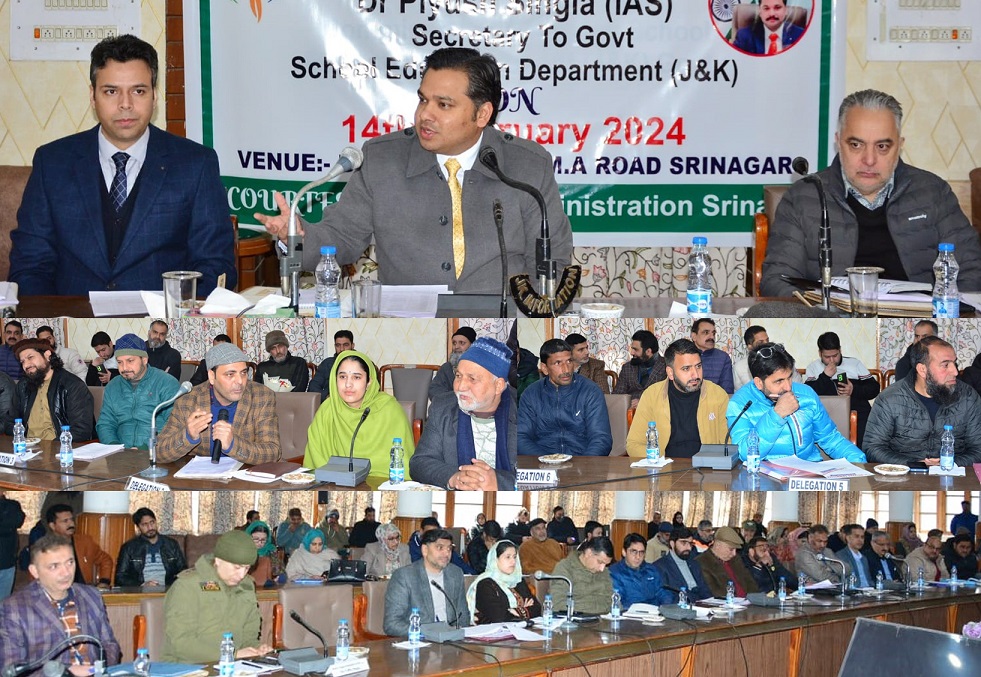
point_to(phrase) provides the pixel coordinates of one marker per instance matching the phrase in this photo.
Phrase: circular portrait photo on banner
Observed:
(761, 27)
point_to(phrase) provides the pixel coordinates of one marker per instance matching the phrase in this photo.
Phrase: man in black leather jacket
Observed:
(69, 400)
(150, 558)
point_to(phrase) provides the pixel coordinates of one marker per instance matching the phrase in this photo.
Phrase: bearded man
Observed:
(50, 397)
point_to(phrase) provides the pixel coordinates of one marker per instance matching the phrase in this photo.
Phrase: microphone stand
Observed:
(844, 577)
(824, 234)
(154, 470)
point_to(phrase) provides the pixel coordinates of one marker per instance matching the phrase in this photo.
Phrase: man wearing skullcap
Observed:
(230, 408)
(461, 341)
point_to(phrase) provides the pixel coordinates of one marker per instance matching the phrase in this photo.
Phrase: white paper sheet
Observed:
(91, 452)
(201, 468)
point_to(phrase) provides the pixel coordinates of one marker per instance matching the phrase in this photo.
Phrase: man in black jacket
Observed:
(161, 354)
(150, 559)
(766, 570)
(68, 398)
(879, 553)
(283, 372)
(363, 532)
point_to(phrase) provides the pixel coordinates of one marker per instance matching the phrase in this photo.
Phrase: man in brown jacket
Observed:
(248, 429)
(721, 564)
(89, 557)
(540, 551)
(590, 367)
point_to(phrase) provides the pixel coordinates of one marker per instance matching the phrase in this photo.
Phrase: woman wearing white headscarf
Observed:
(500, 594)
(388, 554)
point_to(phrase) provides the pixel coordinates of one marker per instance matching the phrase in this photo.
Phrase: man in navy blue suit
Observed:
(114, 207)
(771, 33)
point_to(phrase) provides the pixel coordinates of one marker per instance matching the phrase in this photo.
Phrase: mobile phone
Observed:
(841, 379)
(100, 369)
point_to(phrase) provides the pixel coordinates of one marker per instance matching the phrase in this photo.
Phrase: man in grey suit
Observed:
(427, 201)
(853, 557)
(430, 584)
(806, 560)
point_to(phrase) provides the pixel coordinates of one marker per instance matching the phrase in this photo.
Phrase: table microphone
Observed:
(153, 470)
(216, 444)
(309, 628)
(799, 165)
(499, 224)
(291, 262)
(456, 614)
(350, 459)
(725, 444)
(552, 298)
(569, 602)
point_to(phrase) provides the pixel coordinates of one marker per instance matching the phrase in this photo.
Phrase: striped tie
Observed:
(117, 191)
(456, 193)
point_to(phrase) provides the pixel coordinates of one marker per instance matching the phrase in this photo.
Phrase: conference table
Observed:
(586, 473)
(596, 473)
(799, 640)
(79, 306)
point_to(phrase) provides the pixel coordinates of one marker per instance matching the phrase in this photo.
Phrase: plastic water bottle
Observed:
(547, 613)
(946, 300)
(141, 666)
(653, 446)
(753, 452)
(919, 579)
(730, 594)
(947, 449)
(396, 468)
(683, 598)
(415, 627)
(953, 576)
(616, 605)
(852, 581)
(328, 276)
(343, 640)
(20, 442)
(699, 278)
(801, 584)
(782, 590)
(880, 582)
(226, 656)
(66, 457)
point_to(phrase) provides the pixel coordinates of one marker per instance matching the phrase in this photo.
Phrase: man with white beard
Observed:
(470, 441)
(461, 341)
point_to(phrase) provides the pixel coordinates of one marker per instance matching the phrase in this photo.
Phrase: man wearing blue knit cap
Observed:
(129, 401)
(470, 441)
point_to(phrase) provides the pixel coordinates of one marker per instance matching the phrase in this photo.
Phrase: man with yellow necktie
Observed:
(427, 201)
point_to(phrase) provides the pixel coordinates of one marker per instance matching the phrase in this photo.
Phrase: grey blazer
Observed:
(409, 587)
(400, 197)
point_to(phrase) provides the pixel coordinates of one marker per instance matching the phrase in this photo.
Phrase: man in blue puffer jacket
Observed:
(788, 417)
(563, 413)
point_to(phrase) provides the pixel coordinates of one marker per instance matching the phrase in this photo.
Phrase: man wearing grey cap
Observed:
(128, 403)
(282, 372)
(470, 441)
(229, 408)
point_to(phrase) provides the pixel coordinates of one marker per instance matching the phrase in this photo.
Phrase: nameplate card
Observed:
(8, 459)
(137, 484)
(816, 484)
(545, 477)
(348, 667)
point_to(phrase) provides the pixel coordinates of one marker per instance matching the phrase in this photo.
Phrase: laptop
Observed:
(347, 571)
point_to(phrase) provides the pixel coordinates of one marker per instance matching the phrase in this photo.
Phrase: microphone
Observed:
(889, 555)
(456, 615)
(499, 224)
(800, 166)
(569, 602)
(350, 471)
(291, 262)
(821, 557)
(153, 471)
(18, 669)
(309, 628)
(725, 444)
(552, 299)
(357, 428)
(216, 444)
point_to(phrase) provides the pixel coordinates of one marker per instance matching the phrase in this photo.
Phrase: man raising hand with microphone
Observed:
(251, 431)
(788, 417)
(426, 199)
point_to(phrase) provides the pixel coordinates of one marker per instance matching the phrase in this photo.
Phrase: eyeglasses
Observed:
(635, 551)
